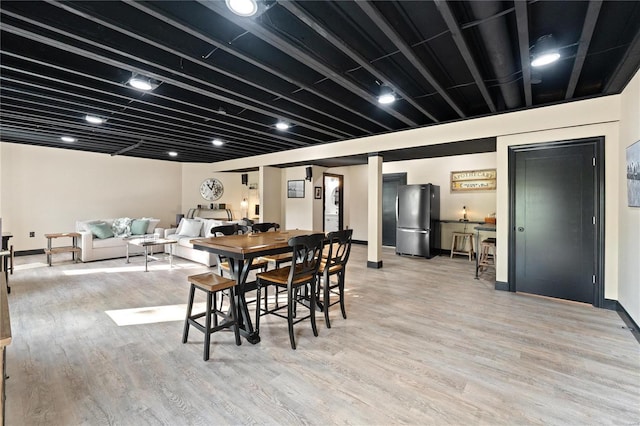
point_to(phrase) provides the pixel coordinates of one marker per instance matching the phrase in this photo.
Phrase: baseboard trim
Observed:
(626, 318)
(374, 265)
(502, 286)
(361, 242)
(610, 304)
(28, 252)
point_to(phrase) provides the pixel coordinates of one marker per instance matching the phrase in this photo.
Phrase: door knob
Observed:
(520, 229)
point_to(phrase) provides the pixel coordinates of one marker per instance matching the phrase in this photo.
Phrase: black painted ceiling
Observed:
(315, 64)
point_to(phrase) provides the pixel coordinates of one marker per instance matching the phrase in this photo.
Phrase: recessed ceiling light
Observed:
(68, 139)
(281, 125)
(140, 83)
(172, 154)
(545, 59)
(387, 98)
(386, 95)
(93, 119)
(544, 52)
(217, 142)
(243, 7)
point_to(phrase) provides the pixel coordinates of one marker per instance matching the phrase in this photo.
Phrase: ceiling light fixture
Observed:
(387, 96)
(172, 154)
(244, 8)
(281, 125)
(544, 52)
(142, 83)
(217, 142)
(68, 139)
(93, 119)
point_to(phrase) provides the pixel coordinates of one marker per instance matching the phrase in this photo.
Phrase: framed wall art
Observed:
(473, 180)
(295, 189)
(633, 175)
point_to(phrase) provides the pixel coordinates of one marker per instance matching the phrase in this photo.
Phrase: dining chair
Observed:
(211, 284)
(265, 226)
(302, 273)
(222, 261)
(334, 263)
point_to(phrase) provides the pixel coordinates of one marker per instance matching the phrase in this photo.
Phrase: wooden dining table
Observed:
(241, 250)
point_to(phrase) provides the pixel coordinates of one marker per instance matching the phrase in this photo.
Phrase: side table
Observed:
(73, 248)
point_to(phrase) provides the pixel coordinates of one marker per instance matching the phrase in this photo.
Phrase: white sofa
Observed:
(190, 229)
(93, 248)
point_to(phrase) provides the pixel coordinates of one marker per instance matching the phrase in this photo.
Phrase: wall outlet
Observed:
(32, 234)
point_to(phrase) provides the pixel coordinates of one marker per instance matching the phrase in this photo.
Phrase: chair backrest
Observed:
(307, 254)
(225, 229)
(265, 227)
(339, 243)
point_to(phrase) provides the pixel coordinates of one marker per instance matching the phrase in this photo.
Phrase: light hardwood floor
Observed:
(424, 343)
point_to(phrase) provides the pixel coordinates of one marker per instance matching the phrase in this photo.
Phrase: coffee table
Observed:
(148, 242)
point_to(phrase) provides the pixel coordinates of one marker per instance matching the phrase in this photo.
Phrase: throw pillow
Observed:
(101, 230)
(153, 223)
(190, 228)
(139, 226)
(122, 227)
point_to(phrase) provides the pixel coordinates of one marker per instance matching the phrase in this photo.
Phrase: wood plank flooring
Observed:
(424, 343)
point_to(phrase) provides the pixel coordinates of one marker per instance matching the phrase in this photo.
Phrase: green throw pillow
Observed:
(139, 226)
(101, 230)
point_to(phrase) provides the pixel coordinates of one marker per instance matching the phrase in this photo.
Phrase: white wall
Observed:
(271, 195)
(629, 217)
(193, 174)
(299, 212)
(46, 190)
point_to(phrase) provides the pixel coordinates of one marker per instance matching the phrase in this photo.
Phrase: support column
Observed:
(374, 209)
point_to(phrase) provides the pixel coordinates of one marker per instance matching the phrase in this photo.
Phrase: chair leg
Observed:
(312, 306)
(234, 314)
(185, 332)
(326, 299)
(290, 313)
(258, 291)
(11, 259)
(207, 326)
(341, 288)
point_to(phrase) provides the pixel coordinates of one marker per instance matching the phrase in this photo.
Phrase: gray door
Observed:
(390, 184)
(555, 211)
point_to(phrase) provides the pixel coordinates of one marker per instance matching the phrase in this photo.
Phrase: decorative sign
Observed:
(473, 180)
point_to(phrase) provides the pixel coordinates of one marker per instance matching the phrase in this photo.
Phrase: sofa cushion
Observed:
(84, 225)
(108, 242)
(139, 226)
(101, 230)
(181, 240)
(153, 223)
(122, 227)
(190, 228)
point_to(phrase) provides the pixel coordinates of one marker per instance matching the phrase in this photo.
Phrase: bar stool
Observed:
(459, 244)
(211, 284)
(487, 254)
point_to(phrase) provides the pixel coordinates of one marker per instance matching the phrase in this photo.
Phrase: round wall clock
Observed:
(211, 189)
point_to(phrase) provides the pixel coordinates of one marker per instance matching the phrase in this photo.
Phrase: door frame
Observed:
(599, 197)
(340, 199)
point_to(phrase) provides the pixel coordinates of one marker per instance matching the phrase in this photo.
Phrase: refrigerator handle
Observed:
(397, 211)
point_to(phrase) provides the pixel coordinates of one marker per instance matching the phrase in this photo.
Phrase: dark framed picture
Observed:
(318, 193)
(295, 189)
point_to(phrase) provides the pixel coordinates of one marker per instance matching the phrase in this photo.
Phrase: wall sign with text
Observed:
(473, 180)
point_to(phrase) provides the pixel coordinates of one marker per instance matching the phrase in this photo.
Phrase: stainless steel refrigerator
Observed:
(417, 215)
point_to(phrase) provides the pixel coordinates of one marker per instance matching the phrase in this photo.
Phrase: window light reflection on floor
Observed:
(152, 314)
(129, 268)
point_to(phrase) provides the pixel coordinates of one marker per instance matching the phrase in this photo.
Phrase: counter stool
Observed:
(487, 254)
(211, 284)
(459, 244)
